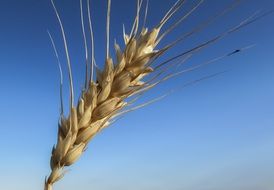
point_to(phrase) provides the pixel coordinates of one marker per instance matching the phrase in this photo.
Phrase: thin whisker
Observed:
(85, 43)
(179, 21)
(60, 71)
(107, 28)
(92, 42)
(145, 17)
(67, 55)
(177, 6)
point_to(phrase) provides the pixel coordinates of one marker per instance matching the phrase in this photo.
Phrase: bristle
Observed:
(85, 44)
(107, 28)
(173, 26)
(92, 43)
(67, 54)
(61, 74)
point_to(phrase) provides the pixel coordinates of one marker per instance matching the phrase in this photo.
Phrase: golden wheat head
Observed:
(106, 97)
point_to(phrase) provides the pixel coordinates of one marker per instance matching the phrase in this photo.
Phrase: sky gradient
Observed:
(213, 135)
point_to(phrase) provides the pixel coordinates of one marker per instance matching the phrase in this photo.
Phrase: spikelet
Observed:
(105, 108)
(86, 134)
(62, 147)
(81, 107)
(107, 79)
(84, 121)
(73, 154)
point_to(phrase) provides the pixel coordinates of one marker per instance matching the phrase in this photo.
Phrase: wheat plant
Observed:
(109, 92)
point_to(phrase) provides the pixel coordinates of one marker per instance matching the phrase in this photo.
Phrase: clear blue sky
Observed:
(217, 134)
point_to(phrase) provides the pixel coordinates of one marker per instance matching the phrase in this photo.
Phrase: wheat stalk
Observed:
(106, 97)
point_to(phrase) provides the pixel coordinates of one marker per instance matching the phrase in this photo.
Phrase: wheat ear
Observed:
(106, 97)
